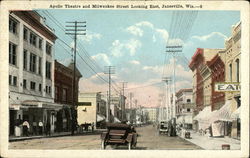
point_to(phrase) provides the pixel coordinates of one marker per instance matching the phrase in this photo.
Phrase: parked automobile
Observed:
(163, 127)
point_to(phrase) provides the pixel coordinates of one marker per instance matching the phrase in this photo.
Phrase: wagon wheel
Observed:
(103, 145)
(129, 146)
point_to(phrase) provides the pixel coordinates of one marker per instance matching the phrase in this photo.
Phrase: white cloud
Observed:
(135, 30)
(116, 48)
(145, 23)
(155, 69)
(131, 45)
(212, 34)
(101, 58)
(135, 62)
(90, 36)
(163, 33)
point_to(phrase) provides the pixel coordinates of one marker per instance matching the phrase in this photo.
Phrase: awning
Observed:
(236, 114)
(224, 113)
(100, 118)
(203, 114)
(40, 104)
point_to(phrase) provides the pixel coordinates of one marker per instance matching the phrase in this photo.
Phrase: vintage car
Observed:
(119, 134)
(163, 127)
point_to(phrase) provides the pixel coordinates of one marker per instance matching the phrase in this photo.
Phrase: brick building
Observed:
(63, 93)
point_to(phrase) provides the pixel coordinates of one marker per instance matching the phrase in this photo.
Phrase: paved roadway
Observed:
(149, 139)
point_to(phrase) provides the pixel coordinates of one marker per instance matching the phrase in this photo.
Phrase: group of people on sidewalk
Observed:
(24, 129)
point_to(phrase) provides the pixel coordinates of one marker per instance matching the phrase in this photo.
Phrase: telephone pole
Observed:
(173, 50)
(109, 70)
(75, 29)
(124, 85)
(167, 97)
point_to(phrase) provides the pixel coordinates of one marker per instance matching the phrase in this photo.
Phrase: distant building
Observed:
(63, 94)
(91, 109)
(184, 107)
(31, 66)
(152, 113)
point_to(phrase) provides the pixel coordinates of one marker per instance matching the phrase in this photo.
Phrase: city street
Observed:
(148, 139)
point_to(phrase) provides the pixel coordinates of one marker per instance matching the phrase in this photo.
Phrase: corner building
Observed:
(31, 81)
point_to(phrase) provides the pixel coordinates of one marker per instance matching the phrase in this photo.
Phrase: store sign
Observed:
(227, 87)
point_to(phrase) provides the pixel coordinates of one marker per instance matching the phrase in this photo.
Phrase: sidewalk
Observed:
(61, 134)
(213, 143)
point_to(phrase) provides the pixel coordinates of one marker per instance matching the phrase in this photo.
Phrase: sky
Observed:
(134, 42)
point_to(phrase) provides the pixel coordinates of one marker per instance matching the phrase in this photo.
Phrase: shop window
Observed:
(188, 110)
(12, 54)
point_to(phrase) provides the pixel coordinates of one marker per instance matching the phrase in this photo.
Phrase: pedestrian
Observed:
(92, 126)
(40, 125)
(26, 127)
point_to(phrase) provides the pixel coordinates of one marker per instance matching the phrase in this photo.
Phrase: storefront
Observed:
(41, 117)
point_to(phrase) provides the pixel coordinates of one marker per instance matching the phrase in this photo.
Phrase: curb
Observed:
(63, 135)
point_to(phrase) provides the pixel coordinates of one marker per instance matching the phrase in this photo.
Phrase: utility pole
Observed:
(109, 70)
(75, 30)
(167, 103)
(124, 85)
(173, 50)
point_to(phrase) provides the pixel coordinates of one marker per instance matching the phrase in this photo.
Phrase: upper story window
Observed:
(188, 100)
(32, 85)
(33, 39)
(237, 70)
(40, 66)
(188, 110)
(12, 54)
(25, 34)
(12, 80)
(12, 26)
(25, 59)
(40, 87)
(24, 83)
(230, 72)
(32, 62)
(48, 70)
(64, 94)
(48, 48)
(40, 43)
